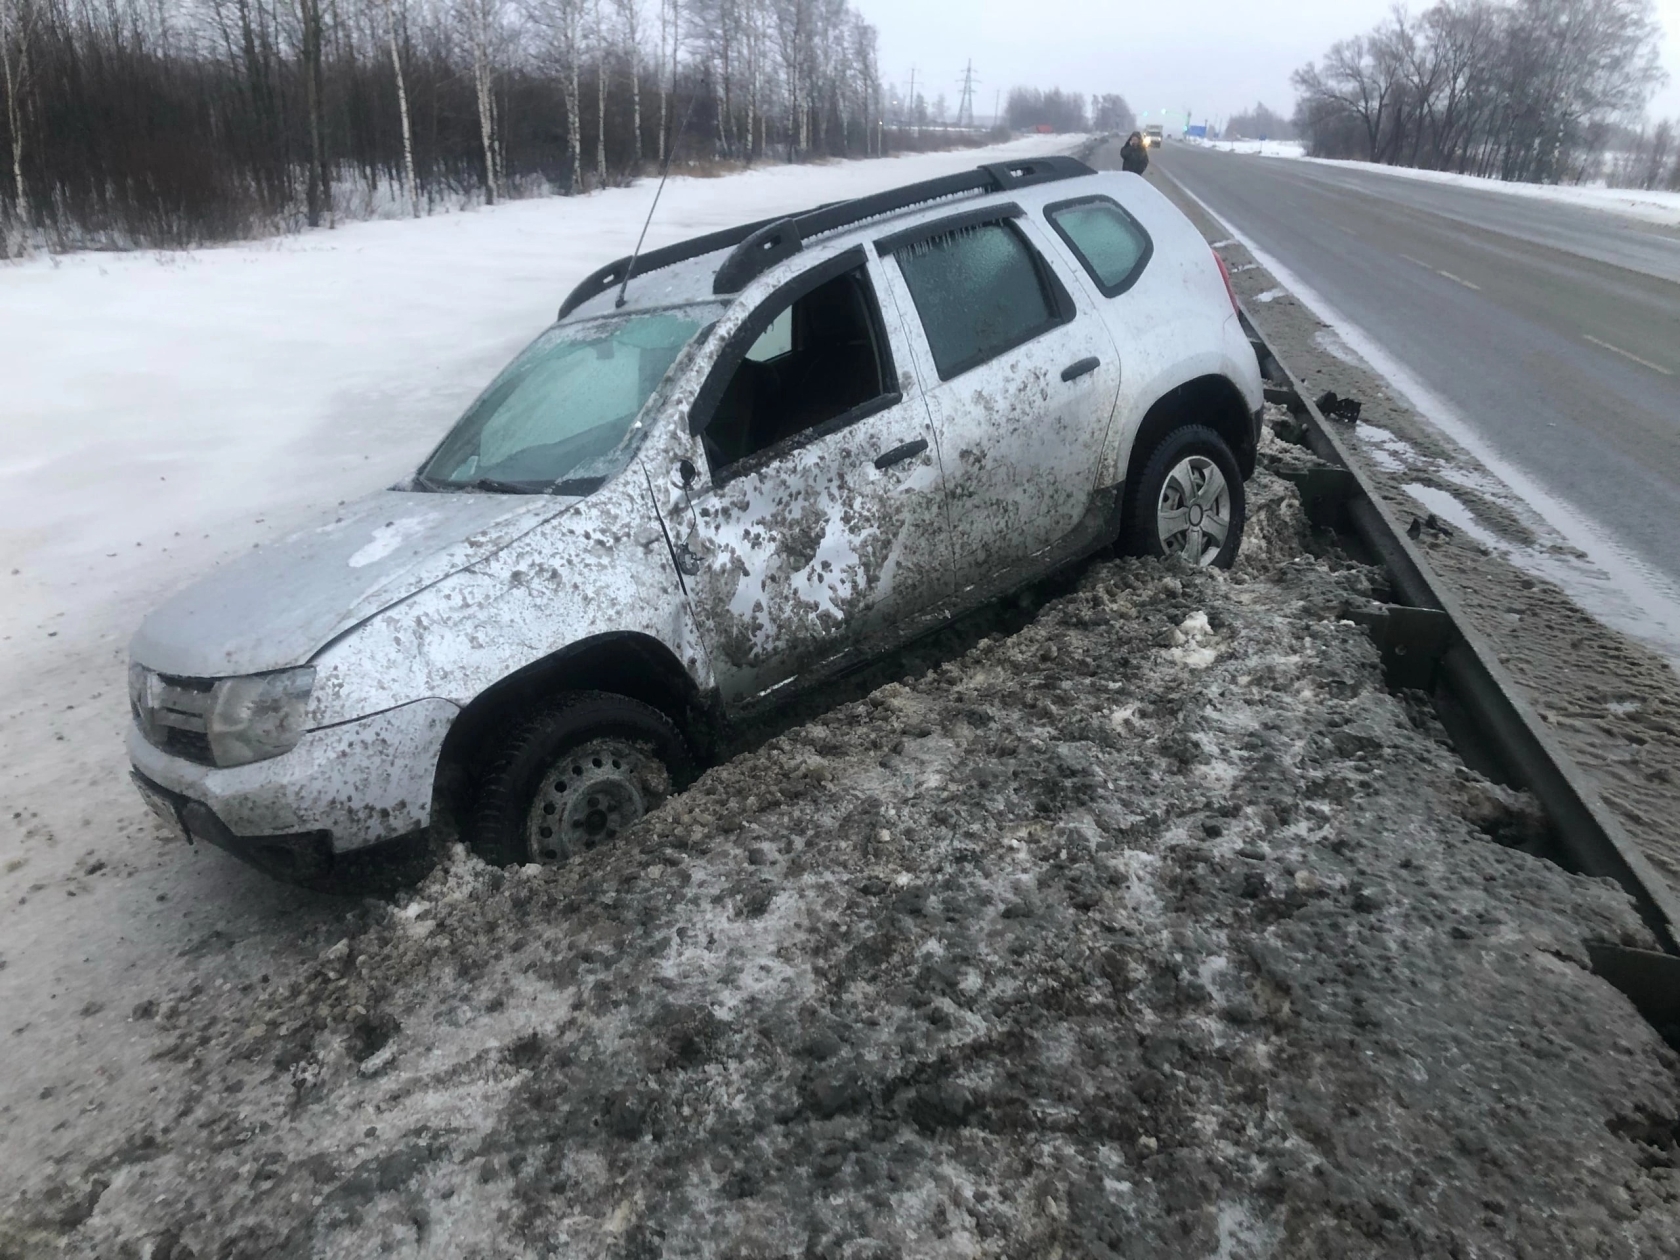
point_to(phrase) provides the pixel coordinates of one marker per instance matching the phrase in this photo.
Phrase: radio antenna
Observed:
(664, 170)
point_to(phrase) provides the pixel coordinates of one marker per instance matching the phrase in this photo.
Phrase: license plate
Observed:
(163, 807)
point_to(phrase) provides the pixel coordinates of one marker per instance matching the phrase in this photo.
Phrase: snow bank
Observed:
(1262, 148)
(1647, 205)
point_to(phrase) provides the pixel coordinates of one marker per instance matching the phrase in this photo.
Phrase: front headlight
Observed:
(252, 719)
(141, 699)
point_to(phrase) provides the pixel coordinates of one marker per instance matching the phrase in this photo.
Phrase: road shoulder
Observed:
(1613, 703)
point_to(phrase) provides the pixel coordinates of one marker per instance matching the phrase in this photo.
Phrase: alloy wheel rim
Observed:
(587, 799)
(1193, 516)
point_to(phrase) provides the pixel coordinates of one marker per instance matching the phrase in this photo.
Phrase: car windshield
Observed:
(563, 416)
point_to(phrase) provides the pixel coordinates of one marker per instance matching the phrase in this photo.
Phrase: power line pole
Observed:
(965, 108)
(997, 107)
(914, 121)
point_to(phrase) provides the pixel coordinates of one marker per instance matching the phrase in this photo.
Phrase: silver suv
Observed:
(732, 468)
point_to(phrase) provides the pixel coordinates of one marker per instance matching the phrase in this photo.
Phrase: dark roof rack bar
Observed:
(740, 267)
(599, 282)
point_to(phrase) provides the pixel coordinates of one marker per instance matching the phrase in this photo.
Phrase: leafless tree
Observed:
(16, 23)
(180, 121)
(630, 29)
(481, 19)
(311, 47)
(1520, 89)
(411, 186)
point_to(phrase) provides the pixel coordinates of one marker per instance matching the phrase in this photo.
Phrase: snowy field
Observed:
(1647, 205)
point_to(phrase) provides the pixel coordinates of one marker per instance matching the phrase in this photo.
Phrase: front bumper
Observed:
(303, 857)
(354, 784)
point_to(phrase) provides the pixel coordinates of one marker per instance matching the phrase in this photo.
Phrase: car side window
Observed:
(980, 290)
(820, 361)
(1110, 244)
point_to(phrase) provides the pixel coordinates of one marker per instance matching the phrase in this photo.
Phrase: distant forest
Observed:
(1543, 91)
(1029, 109)
(175, 122)
(1259, 123)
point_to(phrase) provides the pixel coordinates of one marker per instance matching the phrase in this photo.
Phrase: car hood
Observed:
(280, 604)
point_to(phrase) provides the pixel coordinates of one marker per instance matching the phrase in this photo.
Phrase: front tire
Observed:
(575, 777)
(1189, 501)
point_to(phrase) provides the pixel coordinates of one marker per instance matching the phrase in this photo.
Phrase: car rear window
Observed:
(979, 292)
(1111, 244)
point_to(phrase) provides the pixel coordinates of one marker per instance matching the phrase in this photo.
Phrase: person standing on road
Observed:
(1134, 154)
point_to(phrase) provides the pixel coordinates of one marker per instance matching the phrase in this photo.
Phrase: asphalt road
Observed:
(1552, 330)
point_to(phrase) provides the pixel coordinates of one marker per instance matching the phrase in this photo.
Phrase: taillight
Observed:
(1225, 275)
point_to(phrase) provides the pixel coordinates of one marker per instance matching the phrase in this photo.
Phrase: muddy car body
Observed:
(823, 435)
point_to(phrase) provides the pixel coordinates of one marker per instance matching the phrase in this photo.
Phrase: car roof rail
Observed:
(760, 245)
(612, 275)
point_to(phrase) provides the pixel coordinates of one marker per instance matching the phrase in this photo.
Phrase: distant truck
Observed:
(1153, 135)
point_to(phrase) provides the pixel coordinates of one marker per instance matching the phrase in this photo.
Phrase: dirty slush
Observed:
(1158, 928)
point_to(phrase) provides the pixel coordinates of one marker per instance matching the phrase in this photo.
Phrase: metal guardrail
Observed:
(1427, 642)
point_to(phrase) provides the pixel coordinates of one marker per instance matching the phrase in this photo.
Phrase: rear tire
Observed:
(1188, 501)
(575, 777)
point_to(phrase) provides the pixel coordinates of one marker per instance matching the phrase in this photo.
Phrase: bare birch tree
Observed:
(601, 43)
(630, 26)
(668, 28)
(482, 19)
(411, 185)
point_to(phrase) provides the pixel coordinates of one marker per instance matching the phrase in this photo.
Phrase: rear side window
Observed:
(980, 291)
(1111, 244)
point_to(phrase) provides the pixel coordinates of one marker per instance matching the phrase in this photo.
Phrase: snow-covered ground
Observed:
(1262, 148)
(1647, 205)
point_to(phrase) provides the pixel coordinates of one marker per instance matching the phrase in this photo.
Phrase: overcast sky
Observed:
(1214, 58)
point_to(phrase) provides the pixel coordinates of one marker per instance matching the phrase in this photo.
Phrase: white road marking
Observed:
(1449, 275)
(1655, 367)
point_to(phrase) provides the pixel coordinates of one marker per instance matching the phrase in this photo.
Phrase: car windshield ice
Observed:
(564, 415)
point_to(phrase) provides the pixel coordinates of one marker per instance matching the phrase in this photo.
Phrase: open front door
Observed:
(818, 528)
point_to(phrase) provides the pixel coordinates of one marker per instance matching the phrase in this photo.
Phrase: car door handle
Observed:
(899, 454)
(1073, 371)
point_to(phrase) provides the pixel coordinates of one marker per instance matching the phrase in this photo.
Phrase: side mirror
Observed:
(684, 473)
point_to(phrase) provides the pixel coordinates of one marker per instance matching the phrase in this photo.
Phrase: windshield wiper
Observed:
(494, 485)
(568, 486)
(579, 486)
